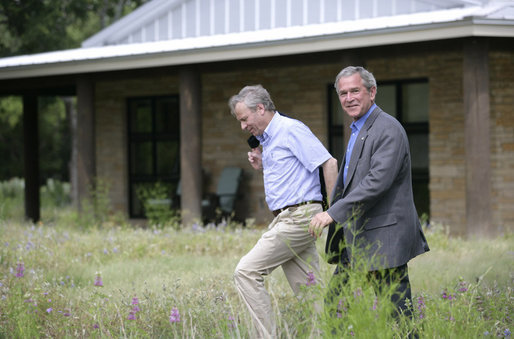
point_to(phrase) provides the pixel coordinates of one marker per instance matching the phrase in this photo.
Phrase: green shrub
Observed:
(157, 206)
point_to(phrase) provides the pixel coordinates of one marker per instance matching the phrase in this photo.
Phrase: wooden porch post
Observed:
(477, 137)
(31, 157)
(190, 146)
(84, 142)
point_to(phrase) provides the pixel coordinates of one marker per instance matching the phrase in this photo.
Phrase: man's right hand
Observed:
(255, 158)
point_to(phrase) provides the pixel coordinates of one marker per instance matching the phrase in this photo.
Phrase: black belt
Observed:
(277, 212)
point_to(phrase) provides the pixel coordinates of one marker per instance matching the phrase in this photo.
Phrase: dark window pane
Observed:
(141, 116)
(419, 150)
(337, 111)
(141, 158)
(415, 102)
(337, 150)
(154, 147)
(167, 157)
(386, 99)
(421, 195)
(135, 203)
(167, 116)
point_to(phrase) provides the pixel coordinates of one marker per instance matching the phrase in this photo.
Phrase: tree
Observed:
(36, 26)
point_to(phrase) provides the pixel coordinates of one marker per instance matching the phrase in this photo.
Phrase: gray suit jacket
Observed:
(374, 211)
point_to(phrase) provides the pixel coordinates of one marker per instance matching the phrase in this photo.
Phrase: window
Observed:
(153, 146)
(407, 100)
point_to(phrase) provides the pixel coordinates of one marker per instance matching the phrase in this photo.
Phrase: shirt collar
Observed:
(359, 123)
(271, 129)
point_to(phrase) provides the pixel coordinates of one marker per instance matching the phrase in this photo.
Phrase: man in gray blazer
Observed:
(372, 208)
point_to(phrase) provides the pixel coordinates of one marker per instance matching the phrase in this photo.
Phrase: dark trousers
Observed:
(380, 279)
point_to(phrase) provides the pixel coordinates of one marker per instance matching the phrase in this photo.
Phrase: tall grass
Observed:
(60, 279)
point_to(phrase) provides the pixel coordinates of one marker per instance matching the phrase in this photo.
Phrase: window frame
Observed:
(154, 137)
(420, 176)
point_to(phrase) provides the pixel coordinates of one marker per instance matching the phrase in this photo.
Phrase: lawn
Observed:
(75, 276)
(49, 277)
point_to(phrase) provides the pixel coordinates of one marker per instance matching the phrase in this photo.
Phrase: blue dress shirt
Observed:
(291, 156)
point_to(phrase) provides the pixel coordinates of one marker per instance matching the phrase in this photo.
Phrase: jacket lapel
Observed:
(358, 146)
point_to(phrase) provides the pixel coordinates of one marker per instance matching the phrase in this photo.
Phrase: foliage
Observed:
(54, 138)
(56, 193)
(11, 199)
(35, 26)
(59, 280)
(11, 142)
(157, 205)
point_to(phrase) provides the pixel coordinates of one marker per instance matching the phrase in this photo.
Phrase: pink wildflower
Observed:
(311, 279)
(98, 280)
(20, 270)
(174, 315)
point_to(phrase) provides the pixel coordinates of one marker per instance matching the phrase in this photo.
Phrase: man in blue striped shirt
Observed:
(290, 159)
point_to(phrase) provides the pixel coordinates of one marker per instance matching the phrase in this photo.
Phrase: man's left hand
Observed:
(318, 223)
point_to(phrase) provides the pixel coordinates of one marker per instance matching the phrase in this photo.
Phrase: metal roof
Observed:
(485, 19)
(179, 19)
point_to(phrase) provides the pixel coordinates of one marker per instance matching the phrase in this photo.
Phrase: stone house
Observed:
(152, 92)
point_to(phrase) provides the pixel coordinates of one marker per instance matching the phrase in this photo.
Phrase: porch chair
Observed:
(225, 196)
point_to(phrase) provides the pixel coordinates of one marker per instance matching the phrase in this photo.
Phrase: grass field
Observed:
(168, 283)
(93, 275)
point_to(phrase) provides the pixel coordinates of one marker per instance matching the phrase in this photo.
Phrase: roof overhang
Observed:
(243, 46)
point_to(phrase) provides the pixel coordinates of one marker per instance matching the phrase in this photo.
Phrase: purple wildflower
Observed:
(48, 310)
(96, 325)
(136, 308)
(463, 287)
(132, 315)
(311, 279)
(231, 322)
(174, 315)
(507, 333)
(98, 280)
(20, 270)
(421, 306)
(350, 327)
(446, 295)
(67, 313)
(135, 301)
(340, 308)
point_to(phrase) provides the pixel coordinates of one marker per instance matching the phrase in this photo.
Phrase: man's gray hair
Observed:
(251, 96)
(368, 80)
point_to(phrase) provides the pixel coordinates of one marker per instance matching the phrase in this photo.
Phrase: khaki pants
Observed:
(287, 243)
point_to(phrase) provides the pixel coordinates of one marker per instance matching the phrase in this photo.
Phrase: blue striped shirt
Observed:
(291, 156)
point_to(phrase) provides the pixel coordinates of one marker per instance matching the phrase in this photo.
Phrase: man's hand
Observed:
(318, 223)
(255, 158)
